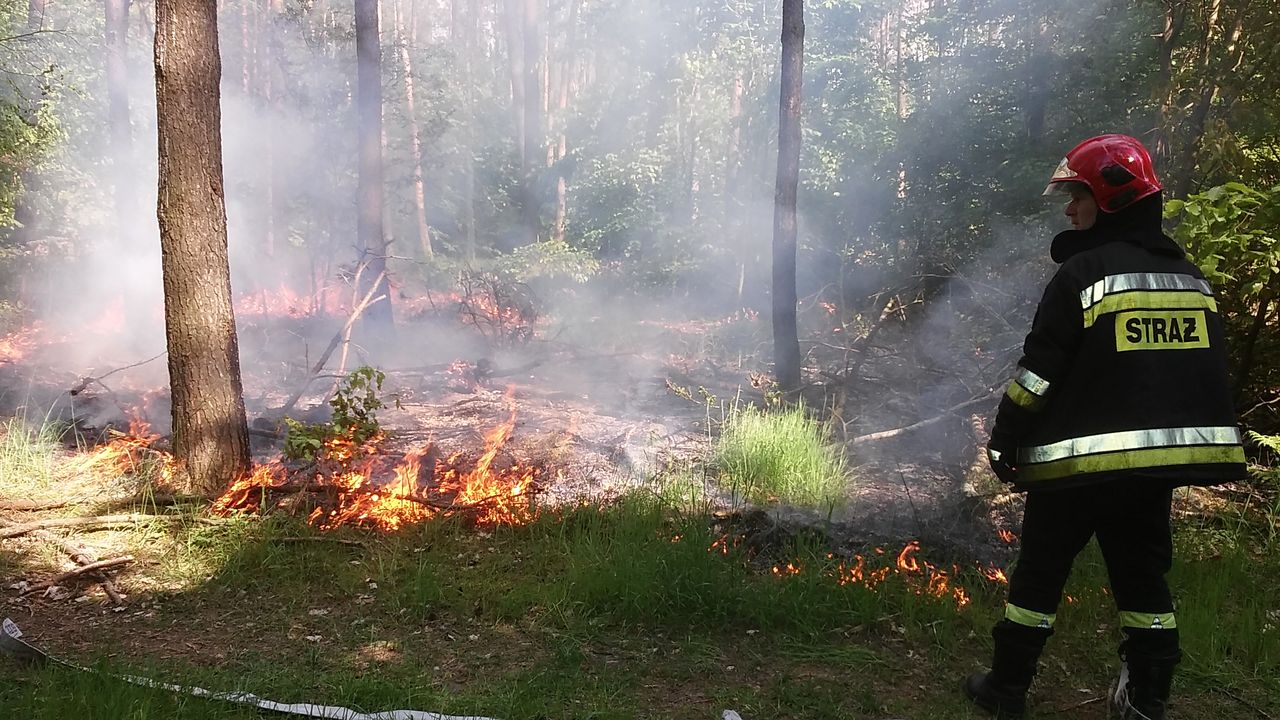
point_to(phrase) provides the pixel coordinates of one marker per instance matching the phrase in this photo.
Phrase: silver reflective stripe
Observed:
(1131, 440)
(1125, 282)
(1032, 382)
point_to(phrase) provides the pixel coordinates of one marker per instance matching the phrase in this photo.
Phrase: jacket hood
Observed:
(1138, 224)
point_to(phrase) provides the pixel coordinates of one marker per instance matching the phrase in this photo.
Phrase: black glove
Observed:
(1001, 456)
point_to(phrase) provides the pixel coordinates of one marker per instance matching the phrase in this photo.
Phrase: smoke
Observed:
(669, 177)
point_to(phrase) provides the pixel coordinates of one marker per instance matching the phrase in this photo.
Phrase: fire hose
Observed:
(12, 645)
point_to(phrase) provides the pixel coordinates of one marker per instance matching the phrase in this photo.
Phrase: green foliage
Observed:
(355, 405)
(547, 261)
(1233, 232)
(780, 456)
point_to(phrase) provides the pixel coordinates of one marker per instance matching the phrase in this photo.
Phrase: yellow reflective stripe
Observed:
(1030, 618)
(1148, 621)
(1151, 300)
(1019, 395)
(1131, 440)
(1126, 282)
(1131, 459)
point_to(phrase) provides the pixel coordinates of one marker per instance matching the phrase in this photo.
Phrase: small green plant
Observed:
(780, 456)
(355, 421)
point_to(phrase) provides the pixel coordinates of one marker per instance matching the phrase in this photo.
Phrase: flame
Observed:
(488, 495)
(1008, 537)
(502, 497)
(389, 507)
(284, 301)
(994, 574)
(15, 346)
(122, 455)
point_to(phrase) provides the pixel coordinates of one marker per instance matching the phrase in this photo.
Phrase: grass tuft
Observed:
(27, 457)
(780, 456)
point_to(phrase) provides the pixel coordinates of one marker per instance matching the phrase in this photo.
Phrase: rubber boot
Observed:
(1148, 659)
(1003, 691)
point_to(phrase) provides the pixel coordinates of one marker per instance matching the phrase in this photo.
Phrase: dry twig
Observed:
(76, 554)
(96, 521)
(886, 434)
(94, 567)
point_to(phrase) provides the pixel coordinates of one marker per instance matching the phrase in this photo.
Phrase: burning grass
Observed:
(357, 484)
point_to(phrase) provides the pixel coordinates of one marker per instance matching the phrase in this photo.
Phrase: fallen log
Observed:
(94, 567)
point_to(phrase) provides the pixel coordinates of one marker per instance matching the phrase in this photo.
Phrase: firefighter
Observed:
(1121, 395)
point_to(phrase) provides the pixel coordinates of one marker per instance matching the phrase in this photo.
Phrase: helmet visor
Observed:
(1061, 180)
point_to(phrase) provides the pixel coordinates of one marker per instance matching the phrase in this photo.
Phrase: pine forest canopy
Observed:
(632, 138)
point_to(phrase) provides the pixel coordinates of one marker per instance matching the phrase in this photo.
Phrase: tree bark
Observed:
(786, 343)
(120, 132)
(415, 139)
(210, 434)
(369, 191)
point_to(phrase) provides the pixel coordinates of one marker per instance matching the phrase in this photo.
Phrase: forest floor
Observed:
(621, 598)
(626, 609)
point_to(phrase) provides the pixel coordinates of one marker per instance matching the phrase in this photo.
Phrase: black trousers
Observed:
(1130, 518)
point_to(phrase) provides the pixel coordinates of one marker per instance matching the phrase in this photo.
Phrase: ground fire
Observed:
(364, 487)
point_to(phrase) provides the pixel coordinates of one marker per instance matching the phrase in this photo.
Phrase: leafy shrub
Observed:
(355, 420)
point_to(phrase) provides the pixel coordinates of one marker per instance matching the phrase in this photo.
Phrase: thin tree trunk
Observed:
(534, 102)
(470, 44)
(369, 231)
(275, 10)
(786, 344)
(210, 434)
(562, 140)
(415, 141)
(120, 132)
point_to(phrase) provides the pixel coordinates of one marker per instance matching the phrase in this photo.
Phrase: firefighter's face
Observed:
(1083, 209)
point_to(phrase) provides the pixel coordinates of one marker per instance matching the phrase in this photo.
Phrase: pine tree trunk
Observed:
(786, 344)
(369, 231)
(210, 435)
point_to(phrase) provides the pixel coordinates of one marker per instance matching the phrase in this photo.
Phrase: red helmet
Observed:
(1116, 168)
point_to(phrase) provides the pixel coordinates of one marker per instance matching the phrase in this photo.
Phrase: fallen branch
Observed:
(368, 300)
(101, 565)
(76, 554)
(84, 382)
(321, 538)
(97, 521)
(886, 434)
(35, 505)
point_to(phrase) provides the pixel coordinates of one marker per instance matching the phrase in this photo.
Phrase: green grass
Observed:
(26, 455)
(621, 611)
(780, 456)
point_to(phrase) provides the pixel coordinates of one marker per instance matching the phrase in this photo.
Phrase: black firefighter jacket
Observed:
(1124, 372)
